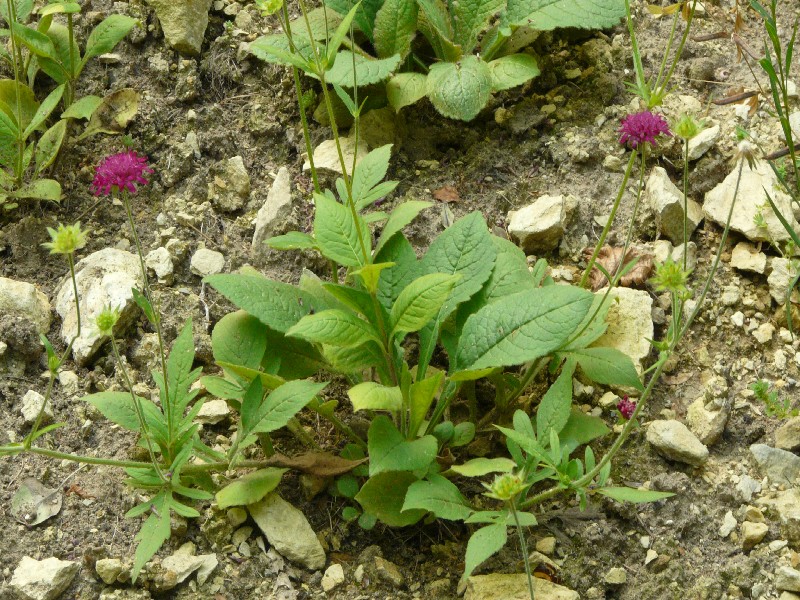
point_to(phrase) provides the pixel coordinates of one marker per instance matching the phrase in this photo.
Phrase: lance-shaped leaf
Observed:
(334, 327)
(395, 26)
(374, 396)
(337, 233)
(420, 302)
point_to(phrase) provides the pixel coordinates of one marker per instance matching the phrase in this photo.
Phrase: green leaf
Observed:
(239, 338)
(249, 488)
(422, 395)
(118, 408)
(368, 71)
(373, 396)
(438, 496)
(45, 108)
(401, 216)
(277, 305)
(383, 495)
(284, 403)
(83, 108)
(48, 146)
(337, 235)
(335, 41)
(392, 281)
(510, 275)
(276, 49)
(470, 18)
(8, 140)
(368, 174)
(582, 429)
(389, 451)
(478, 467)
(464, 249)
(179, 372)
(61, 65)
(22, 8)
(484, 543)
(370, 275)
(60, 8)
(627, 494)
(27, 106)
(40, 189)
(222, 388)
(463, 434)
(420, 301)
(395, 26)
(334, 327)
(405, 89)
(105, 37)
(544, 15)
(512, 70)
(521, 328)
(365, 15)
(608, 366)
(35, 41)
(459, 90)
(154, 532)
(554, 409)
(294, 240)
(529, 444)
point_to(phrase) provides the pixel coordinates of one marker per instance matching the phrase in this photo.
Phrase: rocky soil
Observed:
(543, 163)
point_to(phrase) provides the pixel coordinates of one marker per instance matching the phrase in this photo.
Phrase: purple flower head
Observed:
(626, 407)
(120, 172)
(642, 127)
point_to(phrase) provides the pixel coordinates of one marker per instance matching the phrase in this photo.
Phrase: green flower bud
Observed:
(505, 487)
(106, 320)
(688, 127)
(66, 239)
(670, 277)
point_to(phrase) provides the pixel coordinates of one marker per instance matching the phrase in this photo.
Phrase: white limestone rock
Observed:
(630, 324)
(667, 202)
(274, 210)
(207, 262)
(24, 301)
(104, 279)
(539, 226)
(43, 579)
(675, 442)
(750, 201)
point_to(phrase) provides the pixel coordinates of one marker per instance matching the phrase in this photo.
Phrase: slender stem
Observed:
(523, 546)
(287, 29)
(137, 405)
(89, 460)
(156, 322)
(685, 203)
(12, 21)
(610, 221)
(70, 89)
(71, 262)
(661, 85)
(668, 47)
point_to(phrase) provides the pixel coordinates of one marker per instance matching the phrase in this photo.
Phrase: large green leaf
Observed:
(368, 71)
(390, 451)
(608, 366)
(336, 328)
(365, 15)
(459, 90)
(49, 144)
(374, 396)
(636, 496)
(59, 68)
(392, 281)
(107, 35)
(118, 407)
(512, 70)
(395, 26)
(239, 338)
(554, 408)
(337, 234)
(369, 174)
(544, 15)
(154, 532)
(383, 495)
(439, 496)
(470, 18)
(284, 403)
(521, 328)
(22, 9)
(420, 302)
(484, 543)
(401, 216)
(8, 139)
(277, 305)
(478, 467)
(249, 488)
(38, 43)
(405, 89)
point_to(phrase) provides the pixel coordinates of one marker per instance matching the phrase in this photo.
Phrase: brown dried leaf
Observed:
(610, 259)
(321, 464)
(447, 193)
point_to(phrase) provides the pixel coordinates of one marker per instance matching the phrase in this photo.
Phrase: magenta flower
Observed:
(626, 407)
(120, 172)
(642, 127)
